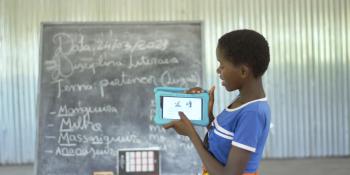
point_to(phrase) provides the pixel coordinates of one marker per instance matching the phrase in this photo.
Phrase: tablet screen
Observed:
(192, 107)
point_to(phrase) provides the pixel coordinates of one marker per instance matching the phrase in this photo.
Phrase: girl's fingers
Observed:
(169, 125)
(211, 91)
(211, 94)
(182, 116)
(211, 101)
(195, 90)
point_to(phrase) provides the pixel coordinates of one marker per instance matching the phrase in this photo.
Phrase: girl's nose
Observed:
(218, 70)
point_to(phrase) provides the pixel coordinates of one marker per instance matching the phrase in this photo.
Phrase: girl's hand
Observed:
(182, 126)
(197, 90)
(211, 104)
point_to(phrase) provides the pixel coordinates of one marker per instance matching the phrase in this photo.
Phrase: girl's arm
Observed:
(237, 159)
(236, 162)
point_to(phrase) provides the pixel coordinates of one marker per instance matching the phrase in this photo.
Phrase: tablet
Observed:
(171, 106)
(171, 100)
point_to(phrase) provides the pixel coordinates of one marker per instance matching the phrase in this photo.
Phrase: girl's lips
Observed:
(223, 82)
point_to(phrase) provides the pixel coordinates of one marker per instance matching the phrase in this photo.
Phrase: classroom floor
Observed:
(321, 166)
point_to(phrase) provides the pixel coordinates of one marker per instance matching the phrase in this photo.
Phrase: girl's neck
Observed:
(251, 90)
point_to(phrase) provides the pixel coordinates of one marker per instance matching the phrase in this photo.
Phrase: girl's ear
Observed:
(244, 71)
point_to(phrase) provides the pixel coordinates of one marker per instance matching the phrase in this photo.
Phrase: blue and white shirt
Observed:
(245, 127)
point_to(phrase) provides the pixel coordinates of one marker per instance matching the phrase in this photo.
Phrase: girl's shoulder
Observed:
(254, 105)
(259, 107)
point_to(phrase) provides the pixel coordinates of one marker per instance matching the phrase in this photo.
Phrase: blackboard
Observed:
(96, 93)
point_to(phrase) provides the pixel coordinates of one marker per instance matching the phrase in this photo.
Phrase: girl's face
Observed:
(229, 73)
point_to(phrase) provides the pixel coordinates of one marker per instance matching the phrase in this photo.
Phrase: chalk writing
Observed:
(68, 44)
(61, 67)
(71, 111)
(69, 139)
(146, 61)
(82, 123)
(159, 138)
(91, 63)
(82, 152)
(152, 111)
(126, 79)
(156, 129)
(77, 87)
(165, 79)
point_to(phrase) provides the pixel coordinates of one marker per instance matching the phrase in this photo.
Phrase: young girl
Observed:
(237, 136)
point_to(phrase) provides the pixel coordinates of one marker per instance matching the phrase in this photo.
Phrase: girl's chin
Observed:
(224, 85)
(227, 87)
